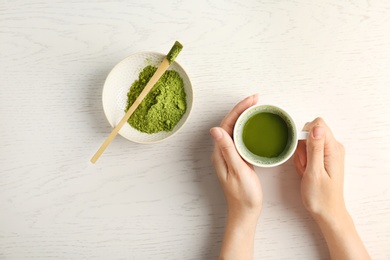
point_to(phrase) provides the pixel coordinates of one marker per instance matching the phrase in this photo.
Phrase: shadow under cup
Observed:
(257, 160)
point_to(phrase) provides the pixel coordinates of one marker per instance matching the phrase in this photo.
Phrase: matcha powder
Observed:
(163, 106)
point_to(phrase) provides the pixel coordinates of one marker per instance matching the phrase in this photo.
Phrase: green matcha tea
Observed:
(163, 106)
(265, 134)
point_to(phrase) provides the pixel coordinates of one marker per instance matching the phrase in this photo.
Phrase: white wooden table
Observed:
(163, 201)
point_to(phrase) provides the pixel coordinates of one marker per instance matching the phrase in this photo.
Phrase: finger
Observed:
(227, 148)
(300, 158)
(330, 140)
(315, 149)
(306, 126)
(228, 122)
(298, 166)
(219, 163)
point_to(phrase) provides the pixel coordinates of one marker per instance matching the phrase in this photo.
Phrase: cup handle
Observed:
(303, 135)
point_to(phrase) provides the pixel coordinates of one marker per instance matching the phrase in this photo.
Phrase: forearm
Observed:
(239, 238)
(342, 238)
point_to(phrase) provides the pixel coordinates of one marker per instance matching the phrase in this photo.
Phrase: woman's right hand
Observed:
(320, 162)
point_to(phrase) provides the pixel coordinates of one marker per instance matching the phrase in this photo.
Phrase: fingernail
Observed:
(216, 133)
(318, 132)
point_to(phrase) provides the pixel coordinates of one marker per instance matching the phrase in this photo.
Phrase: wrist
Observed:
(245, 222)
(249, 217)
(342, 237)
(330, 214)
(239, 235)
(334, 221)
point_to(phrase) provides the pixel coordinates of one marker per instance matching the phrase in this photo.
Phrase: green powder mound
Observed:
(163, 106)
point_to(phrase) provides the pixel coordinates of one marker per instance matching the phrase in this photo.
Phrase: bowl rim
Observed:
(189, 109)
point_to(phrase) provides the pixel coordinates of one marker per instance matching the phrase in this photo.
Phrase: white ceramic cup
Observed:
(293, 136)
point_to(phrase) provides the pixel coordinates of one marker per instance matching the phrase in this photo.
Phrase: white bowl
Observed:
(117, 85)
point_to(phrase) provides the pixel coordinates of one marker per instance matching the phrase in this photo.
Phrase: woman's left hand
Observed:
(239, 181)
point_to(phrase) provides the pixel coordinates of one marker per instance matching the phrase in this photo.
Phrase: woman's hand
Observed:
(239, 181)
(320, 162)
(241, 187)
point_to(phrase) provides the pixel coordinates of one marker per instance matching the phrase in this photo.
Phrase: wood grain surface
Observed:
(314, 58)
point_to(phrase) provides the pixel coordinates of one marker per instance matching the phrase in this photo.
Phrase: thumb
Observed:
(315, 149)
(227, 148)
